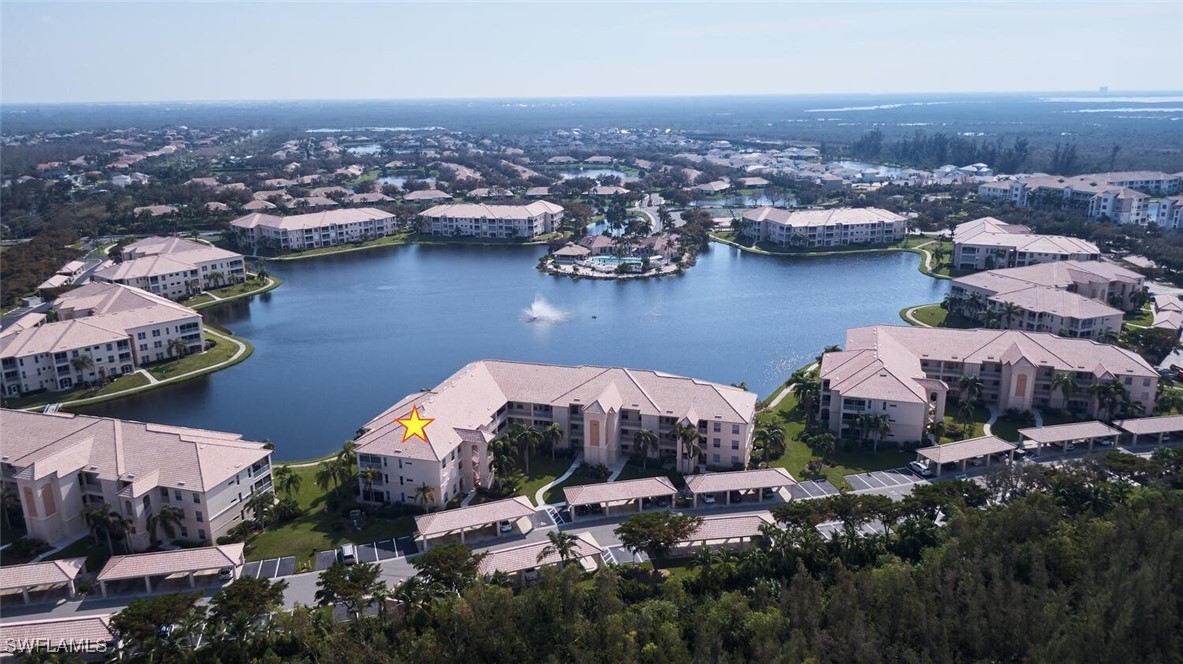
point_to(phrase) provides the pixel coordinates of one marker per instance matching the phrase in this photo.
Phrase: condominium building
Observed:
(1072, 298)
(598, 409)
(1168, 212)
(118, 328)
(988, 243)
(1122, 198)
(296, 232)
(824, 228)
(492, 221)
(912, 375)
(58, 465)
(174, 267)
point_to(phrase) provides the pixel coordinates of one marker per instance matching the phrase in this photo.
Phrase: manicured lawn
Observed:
(119, 384)
(390, 240)
(654, 469)
(1143, 317)
(543, 471)
(220, 353)
(1007, 427)
(952, 423)
(96, 556)
(936, 316)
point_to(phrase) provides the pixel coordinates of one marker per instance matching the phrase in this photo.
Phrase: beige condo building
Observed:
(492, 221)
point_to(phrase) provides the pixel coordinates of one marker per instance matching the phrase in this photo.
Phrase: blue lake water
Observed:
(346, 336)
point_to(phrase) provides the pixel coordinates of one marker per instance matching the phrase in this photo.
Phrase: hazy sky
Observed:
(201, 51)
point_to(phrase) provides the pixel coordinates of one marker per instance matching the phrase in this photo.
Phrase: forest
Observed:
(1081, 563)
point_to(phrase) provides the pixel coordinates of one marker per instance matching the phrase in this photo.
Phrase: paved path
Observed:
(148, 374)
(993, 418)
(617, 468)
(912, 319)
(539, 496)
(783, 393)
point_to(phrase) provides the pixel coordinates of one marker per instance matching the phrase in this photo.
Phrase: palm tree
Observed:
(286, 481)
(564, 544)
(525, 439)
(424, 495)
(7, 502)
(82, 364)
(646, 441)
(167, 519)
(707, 559)
(688, 436)
(177, 347)
(1065, 382)
(121, 526)
(772, 439)
(1009, 311)
(368, 477)
(807, 389)
(192, 286)
(975, 302)
(262, 505)
(326, 473)
(552, 435)
(879, 426)
(348, 454)
(216, 279)
(98, 519)
(971, 388)
(1109, 336)
(415, 595)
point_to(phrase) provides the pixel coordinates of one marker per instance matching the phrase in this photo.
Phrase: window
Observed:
(735, 429)
(196, 497)
(715, 442)
(184, 531)
(714, 458)
(156, 333)
(199, 517)
(140, 336)
(718, 427)
(735, 444)
(201, 534)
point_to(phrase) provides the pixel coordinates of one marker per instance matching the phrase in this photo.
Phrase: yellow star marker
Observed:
(415, 426)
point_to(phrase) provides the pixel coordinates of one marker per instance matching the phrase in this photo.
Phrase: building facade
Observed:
(597, 409)
(824, 228)
(1122, 198)
(60, 466)
(989, 243)
(492, 221)
(277, 234)
(175, 268)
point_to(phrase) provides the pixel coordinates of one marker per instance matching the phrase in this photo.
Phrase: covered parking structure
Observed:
(86, 637)
(53, 573)
(1160, 427)
(474, 517)
(168, 563)
(517, 561)
(1067, 434)
(619, 493)
(741, 481)
(964, 450)
(733, 531)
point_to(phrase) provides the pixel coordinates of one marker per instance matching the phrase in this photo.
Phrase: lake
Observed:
(348, 335)
(400, 180)
(595, 174)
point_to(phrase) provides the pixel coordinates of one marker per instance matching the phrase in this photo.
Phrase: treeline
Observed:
(1082, 563)
(23, 266)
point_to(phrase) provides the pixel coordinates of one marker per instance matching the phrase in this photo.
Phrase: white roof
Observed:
(200, 559)
(13, 577)
(525, 556)
(740, 480)
(730, 527)
(480, 211)
(808, 218)
(473, 516)
(611, 492)
(88, 629)
(966, 449)
(1072, 431)
(1151, 425)
(312, 220)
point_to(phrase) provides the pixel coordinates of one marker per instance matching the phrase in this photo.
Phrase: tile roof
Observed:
(1043, 299)
(481, 211)
(311, 220)
(1144, 425)
(200, 559)
(965, 449)
(989, 231)
(86, 629)
(740, 480)
(610, 492)
(1072, 431)
(473, 516)
(809, 218)
(40, 444)
(525, 556)
(15, 577)
(426, 195)
(731, 527)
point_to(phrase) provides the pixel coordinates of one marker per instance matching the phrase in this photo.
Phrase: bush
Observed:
(287, 509)
(28, 547)
(83, 586)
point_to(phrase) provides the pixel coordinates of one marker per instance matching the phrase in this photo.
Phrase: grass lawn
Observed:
(1007, 427)
(634, 472)
(371, 174)
(220, 353)
(96, 556)
(934, 315)
(952, 423)
(390, 240)
(119, 384)
(1143, 317)
(318, 530)
(543, 471)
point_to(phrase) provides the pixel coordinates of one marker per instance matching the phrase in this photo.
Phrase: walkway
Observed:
(783, 393)
(271, 284)
(993, 418)
(913, 320)
(152, 380)
(539, 496)
(617, 468)
(238, 353)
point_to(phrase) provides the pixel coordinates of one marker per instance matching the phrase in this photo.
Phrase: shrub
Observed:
(287, 509)
(27, 547)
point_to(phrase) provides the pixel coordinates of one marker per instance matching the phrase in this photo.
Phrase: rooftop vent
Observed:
(181, 483)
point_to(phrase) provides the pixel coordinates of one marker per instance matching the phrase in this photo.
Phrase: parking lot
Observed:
(883, 478)
(373, 552)
(813, 489)
(271, 568)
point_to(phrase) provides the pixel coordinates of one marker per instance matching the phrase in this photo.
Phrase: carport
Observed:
(167, 563)
(964, 450)
(92, 631)
(474, 517)
(1088, 432)
(524, 557)
(1151, 426)
(734, 530)
(743, 480)
(619, 493)
(34, 575)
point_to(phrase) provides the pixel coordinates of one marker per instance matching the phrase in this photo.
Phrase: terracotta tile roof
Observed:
(15, 577)
(481, 211)
(731, 527)
(426, 195)
(740, 480)
(1072, 431)
(311, 220)
(809, 218)
(1144, 425)
(611, 492)
(473, 516)
(525, 556)
(200, 559)
(965, 449)
(87, 629)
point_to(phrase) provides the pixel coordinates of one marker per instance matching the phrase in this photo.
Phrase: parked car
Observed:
(347, 554)
(768, 492)
(976, 461)
(663, 501)
(596, 508)
(921, 469)
(708, 498)
(226, 574)
(736, 497)
(506, 527)
(580, 510)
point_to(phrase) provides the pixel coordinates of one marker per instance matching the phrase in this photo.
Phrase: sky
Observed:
(165, 51)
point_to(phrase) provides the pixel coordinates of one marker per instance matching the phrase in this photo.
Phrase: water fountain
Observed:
(542, 311)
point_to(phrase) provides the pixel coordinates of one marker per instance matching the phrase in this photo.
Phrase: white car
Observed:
(920, 469)
(708, 498)
(506, 527)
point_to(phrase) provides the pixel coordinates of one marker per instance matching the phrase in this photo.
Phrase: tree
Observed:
(561, 543)
(689, 437)
(552, 435)
(878, 426)
(369, 476)
(807, 389)
(286, 480)
(262, 505)
(971, 388)
(177, 347)
(452, 566)
(168, 519)
(347, 457)
(351, 586)
(656, 533)
(9, 503)
(119, 526)
(1009, 310)
(526, 439)
(248, 596)
(424, 495)
(772, 439)
(217, 278)
(98, 519)
(646, 442)
(326, 473)
(82, 364)
(139, 624)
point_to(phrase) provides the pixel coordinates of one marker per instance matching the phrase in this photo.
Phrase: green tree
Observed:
(247, 596)
(286, 480)
(350, 586)
(552, 435)
(646, 442)
(656, 533)
(1065, 383)
(424, 495)
(452, 566)
(139, 623)
(688, 438)
(564, 544)
(177, 347)
(168, 518)
(82, 364)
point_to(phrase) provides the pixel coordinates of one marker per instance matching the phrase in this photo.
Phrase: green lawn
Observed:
(230, 292)
(543, 471)
(934, 315)
(96, 556)
(632, 471)
(952, 423)
(318, 530)
(578, 478)
(220, 353)
(1143, 317)
(119, 384)
(390, 240)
